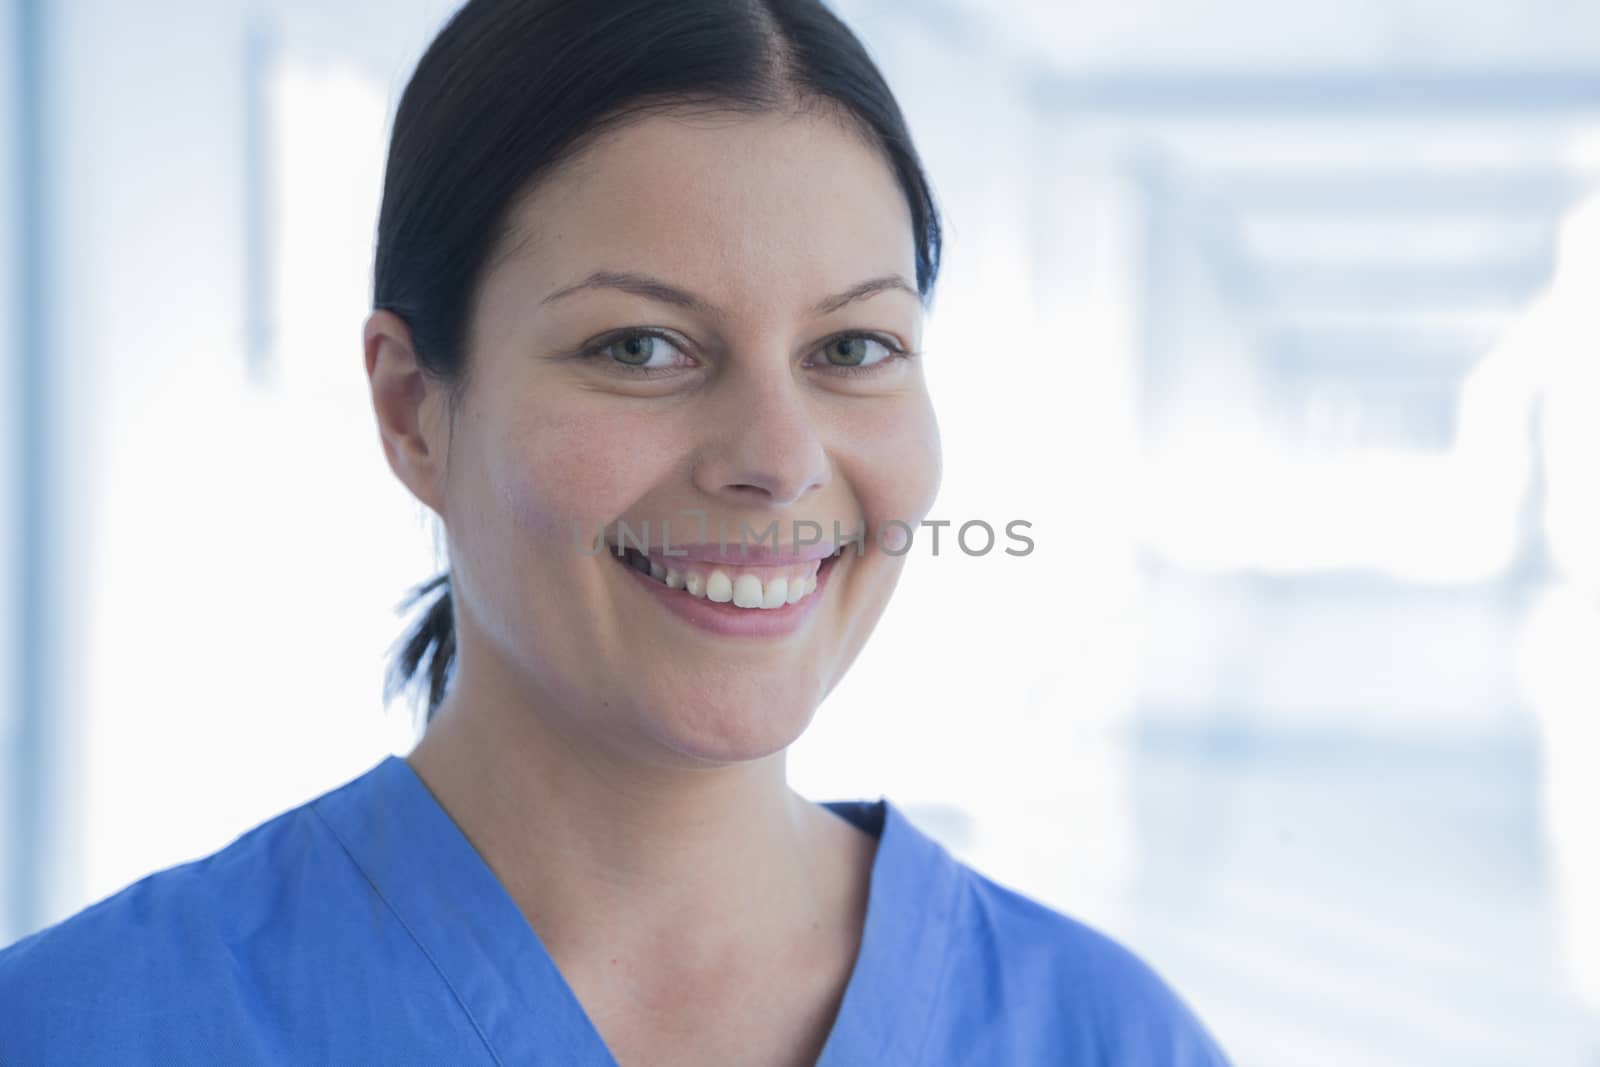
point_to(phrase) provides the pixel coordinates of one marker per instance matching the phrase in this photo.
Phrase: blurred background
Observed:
(1278, 322)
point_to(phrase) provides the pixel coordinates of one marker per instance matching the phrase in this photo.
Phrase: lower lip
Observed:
(729, 621)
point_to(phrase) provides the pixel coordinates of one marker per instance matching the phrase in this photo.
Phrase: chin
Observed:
(725, 729)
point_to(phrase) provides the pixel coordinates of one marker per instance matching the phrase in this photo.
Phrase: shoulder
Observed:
(987, 974)
(177, 910)
(144, 973)
(1087, 993)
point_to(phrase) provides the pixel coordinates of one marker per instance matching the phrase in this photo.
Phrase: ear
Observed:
(411, 408)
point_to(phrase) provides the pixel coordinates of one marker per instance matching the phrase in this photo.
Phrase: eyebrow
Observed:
(652, 288)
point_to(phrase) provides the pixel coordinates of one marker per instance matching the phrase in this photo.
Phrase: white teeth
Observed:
(747, 591)
(742, 590)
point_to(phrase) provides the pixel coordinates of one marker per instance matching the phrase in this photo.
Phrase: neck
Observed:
(682, 863)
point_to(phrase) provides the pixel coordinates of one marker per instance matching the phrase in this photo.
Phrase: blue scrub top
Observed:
(364, 928)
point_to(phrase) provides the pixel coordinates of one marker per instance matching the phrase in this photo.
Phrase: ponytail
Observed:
(432, 641)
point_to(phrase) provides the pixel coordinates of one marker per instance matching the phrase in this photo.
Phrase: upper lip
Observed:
(749, 554)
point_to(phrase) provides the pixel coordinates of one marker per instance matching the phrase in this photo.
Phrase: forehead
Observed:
(751, 211)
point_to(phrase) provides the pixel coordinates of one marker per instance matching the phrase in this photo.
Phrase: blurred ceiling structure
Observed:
(1378, 188)
(1236, 35)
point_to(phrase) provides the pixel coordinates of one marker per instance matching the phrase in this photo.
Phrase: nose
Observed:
(763, 448)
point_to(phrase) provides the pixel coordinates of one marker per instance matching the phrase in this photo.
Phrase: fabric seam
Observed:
(477, 1027)
(944, 968)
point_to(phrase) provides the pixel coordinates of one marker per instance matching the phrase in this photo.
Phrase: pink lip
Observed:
(752, 554)
(728, 621)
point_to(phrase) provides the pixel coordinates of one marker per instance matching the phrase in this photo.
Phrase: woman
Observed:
(650, 281)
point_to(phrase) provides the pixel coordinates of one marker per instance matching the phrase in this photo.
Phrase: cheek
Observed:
(893, 462)
(561, 468)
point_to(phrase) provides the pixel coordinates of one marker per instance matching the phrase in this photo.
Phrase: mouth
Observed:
(736, 587)
(746, 591)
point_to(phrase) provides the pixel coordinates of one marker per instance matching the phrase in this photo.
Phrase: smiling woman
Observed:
(675, 329)
(638, 263)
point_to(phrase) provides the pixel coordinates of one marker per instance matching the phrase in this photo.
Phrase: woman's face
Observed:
(673, 339)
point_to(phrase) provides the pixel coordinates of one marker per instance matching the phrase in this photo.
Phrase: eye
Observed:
(858, 351)
(640, 350)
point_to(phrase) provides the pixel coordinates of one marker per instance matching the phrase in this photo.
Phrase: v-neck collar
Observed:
(445, 895)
